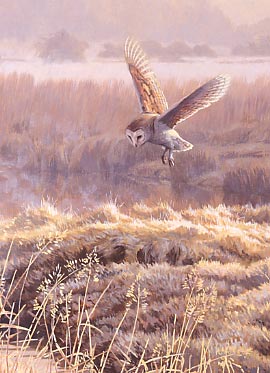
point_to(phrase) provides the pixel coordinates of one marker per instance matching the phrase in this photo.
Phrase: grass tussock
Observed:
(139, 289)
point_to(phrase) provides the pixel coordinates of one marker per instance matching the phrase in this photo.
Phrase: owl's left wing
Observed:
(203, 97)
(150, 95)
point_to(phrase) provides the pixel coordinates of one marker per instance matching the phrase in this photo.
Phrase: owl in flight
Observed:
(156, 122)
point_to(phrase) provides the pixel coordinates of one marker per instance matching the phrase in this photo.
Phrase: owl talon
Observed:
(164, 159)
(171, 162)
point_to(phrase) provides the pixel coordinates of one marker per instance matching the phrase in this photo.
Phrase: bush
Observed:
(61, 46)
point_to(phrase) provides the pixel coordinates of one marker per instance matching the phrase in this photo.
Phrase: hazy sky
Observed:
(196, 21)
(244, 11)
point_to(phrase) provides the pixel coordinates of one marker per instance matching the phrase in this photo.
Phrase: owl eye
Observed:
(129, 137)
(139, 137)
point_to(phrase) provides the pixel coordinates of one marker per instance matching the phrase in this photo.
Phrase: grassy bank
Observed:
(130, 289)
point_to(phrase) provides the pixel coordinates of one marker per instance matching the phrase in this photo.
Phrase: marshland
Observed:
(113, 262)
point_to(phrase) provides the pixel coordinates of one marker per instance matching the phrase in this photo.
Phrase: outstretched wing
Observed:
(150, 95)
(203, 97)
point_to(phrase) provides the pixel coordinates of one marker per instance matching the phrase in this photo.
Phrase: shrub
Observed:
(61, 46)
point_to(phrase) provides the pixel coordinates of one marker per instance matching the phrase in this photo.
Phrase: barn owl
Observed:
(156, 122)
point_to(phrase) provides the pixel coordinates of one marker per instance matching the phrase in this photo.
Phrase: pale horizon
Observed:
(216, 22)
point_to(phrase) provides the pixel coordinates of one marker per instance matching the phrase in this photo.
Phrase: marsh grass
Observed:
(67, 128)
(49, 122)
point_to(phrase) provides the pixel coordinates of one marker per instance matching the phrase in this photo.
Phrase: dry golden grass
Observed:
(129, 289)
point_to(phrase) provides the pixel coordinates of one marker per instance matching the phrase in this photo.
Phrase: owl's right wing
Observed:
(200, 99)
(149, 93)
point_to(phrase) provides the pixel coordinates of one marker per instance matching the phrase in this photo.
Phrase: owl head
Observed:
(137, 138)
(138, 131)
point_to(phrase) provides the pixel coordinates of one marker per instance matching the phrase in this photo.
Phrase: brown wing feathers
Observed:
(203, 97)
(150, 95)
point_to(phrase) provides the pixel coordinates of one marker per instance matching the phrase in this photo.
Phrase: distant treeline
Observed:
(171, 52)
(62, 46)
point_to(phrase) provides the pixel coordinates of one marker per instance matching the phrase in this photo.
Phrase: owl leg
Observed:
(171, 159)
(164, 158)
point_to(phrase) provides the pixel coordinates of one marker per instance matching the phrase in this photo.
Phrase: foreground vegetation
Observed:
(137, 289)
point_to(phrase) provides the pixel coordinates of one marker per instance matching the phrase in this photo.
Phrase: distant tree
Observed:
(61, 46)
(111, 50)
(178, 49)
(203, 50)
(258, 47)
(153, 48)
